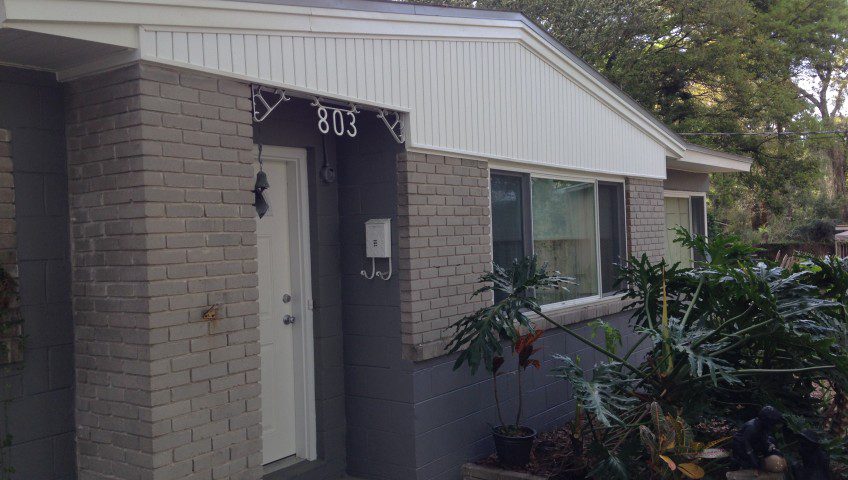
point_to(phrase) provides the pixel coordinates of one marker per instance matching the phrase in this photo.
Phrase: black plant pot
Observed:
(514, 450)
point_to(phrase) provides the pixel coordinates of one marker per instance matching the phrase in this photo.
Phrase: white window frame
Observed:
(553, 174)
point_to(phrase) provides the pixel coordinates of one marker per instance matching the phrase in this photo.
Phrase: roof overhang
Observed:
(117, 22)
(78, 37)
(706, 160)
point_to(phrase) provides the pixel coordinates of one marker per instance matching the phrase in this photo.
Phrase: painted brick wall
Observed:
(8, 237)
(163, 228)
(11, 344)
(444, 223)
(645, 218)
(39, 390)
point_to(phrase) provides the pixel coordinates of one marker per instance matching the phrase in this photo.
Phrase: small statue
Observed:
(816, 462)
(753, 446)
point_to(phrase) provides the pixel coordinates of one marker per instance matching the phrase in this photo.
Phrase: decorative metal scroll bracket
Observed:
(261, 106)
(395, 127)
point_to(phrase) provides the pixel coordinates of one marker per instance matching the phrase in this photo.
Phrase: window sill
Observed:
(580, 310)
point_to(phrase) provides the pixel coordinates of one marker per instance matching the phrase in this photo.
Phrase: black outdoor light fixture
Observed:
(259, 188)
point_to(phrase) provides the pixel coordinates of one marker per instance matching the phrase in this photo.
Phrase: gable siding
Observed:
(477, 98)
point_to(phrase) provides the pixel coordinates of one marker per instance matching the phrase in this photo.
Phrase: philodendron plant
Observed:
(712, 341)
(480, 337)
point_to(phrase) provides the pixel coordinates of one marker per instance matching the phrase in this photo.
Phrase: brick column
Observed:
(162, 230)
(645, 218)
(445, 241)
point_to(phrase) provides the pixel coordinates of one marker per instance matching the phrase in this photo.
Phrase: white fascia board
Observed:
(220, 15)
(699, 159)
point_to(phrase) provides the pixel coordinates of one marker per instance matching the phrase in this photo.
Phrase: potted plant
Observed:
(480, 338)
(513, 442)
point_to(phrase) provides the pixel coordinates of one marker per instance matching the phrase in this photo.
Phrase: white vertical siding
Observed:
(485, 98)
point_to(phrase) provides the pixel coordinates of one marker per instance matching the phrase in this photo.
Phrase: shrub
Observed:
(723, 338)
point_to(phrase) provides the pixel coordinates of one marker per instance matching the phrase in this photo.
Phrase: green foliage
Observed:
(723, 338)
(602, 393)
(612, 336)
(478, 337)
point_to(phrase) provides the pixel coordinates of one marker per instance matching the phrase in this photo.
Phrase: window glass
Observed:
(699, 226)
(677, 214)
(564, 234)
(507, 219)
(611, 228)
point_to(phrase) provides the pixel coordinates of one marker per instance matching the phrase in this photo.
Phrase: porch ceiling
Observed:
(51, 52)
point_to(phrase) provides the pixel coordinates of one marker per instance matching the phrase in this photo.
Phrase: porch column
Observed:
(163, 230)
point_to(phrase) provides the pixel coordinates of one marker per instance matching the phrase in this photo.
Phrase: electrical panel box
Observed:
(378, 238)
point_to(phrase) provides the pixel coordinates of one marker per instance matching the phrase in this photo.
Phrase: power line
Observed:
(764, 134)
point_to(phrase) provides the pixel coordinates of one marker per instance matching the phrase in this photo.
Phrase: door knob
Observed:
(288, 320)
(286, 298)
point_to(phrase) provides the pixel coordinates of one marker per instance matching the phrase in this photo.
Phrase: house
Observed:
(172, 333)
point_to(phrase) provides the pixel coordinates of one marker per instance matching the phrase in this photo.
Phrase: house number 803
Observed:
(341, 121)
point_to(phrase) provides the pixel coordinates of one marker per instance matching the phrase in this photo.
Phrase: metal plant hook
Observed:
(265, 108)
(395, 127)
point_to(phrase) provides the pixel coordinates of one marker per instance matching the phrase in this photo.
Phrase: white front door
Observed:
(283, 310)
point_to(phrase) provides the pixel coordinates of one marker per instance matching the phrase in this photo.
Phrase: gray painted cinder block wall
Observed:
(41, 419)
(454, 410)
(378, 382)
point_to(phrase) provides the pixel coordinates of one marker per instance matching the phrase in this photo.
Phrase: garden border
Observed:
(472, 471)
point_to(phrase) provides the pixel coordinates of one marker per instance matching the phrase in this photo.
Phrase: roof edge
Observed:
(707, 160)
(718, 153)
(403, 7)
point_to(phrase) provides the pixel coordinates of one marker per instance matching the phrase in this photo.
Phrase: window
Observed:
(686, 210)
(575, 226)
(508, 204)
(611, 228)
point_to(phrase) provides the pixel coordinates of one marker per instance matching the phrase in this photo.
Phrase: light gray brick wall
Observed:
(645, 218)
(445, 244)
(162, 229)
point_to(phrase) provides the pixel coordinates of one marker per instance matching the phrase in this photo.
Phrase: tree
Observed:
(724, 66)
(815, 33)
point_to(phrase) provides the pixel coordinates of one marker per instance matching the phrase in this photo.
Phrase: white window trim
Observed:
(555, 174)
(558, 173)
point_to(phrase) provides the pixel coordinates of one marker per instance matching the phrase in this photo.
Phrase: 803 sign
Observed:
(342, 121)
